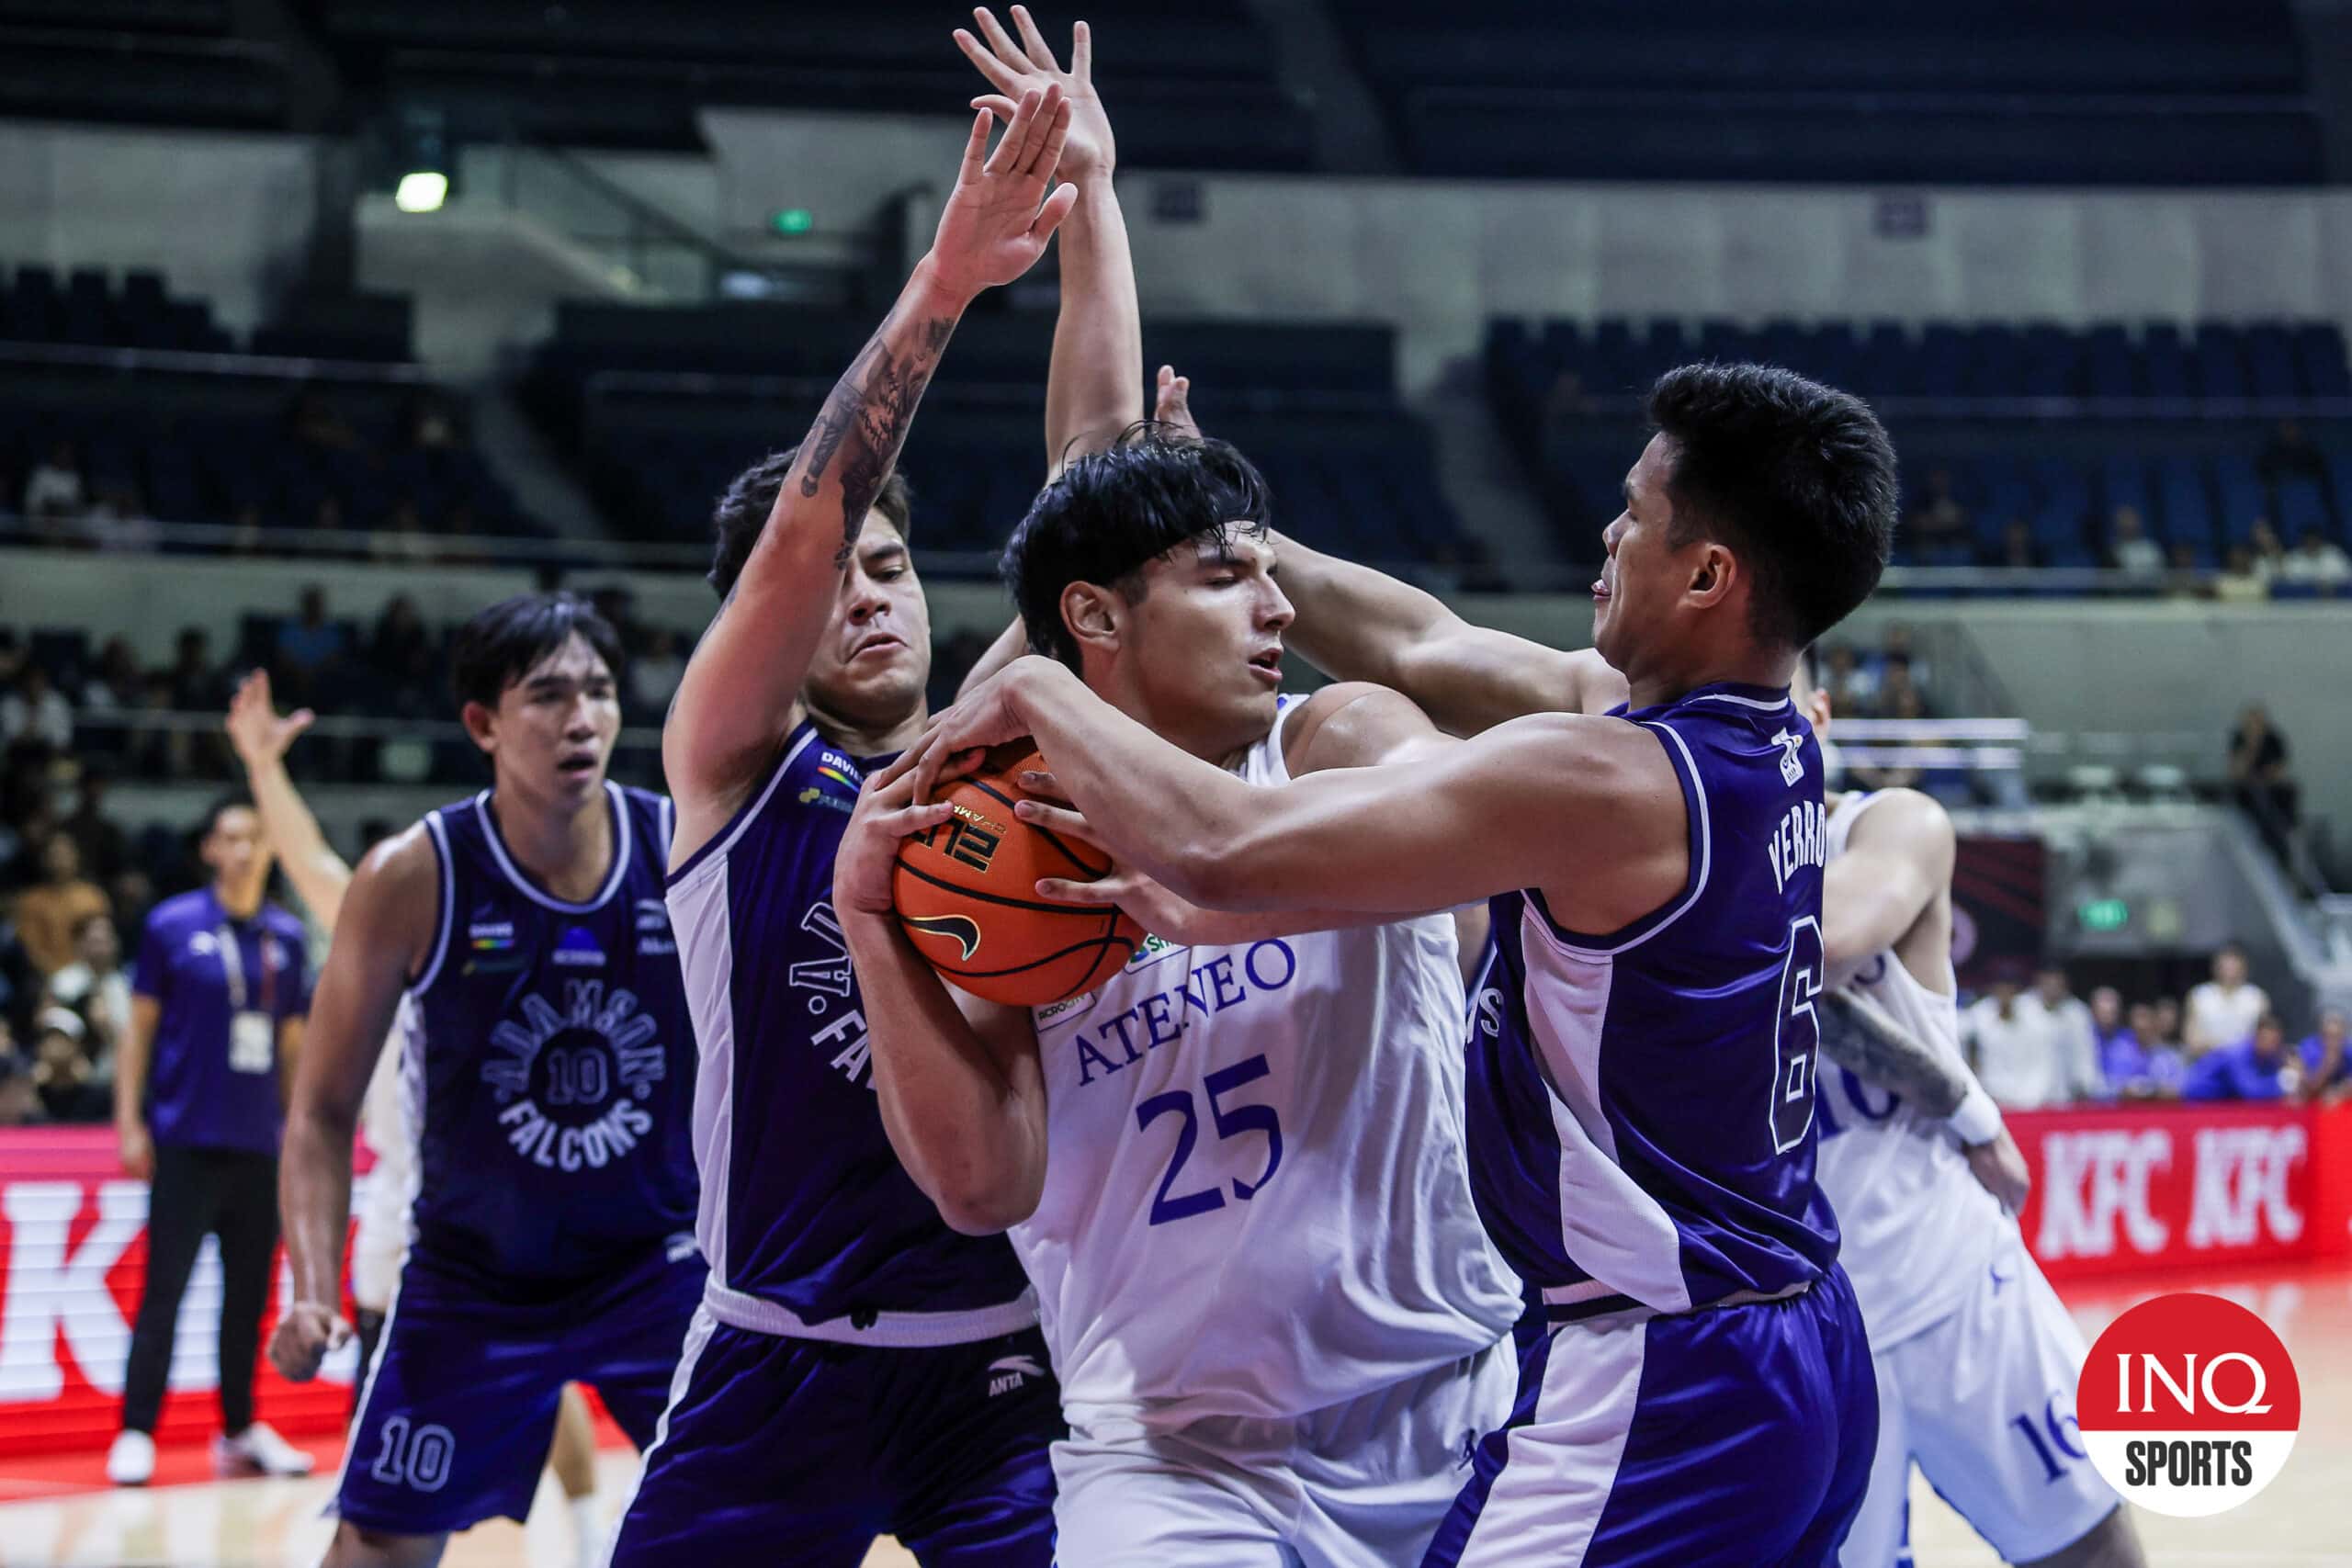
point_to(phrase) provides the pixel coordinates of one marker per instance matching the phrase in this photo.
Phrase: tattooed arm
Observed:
(736, 700)
(1858, 1035)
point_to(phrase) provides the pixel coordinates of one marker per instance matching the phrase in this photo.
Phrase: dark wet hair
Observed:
(1796, 479)
(743, 511)
(499, 645)
(1108, 513)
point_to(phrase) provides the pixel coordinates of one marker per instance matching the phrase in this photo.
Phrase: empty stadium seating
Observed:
(2006, 91)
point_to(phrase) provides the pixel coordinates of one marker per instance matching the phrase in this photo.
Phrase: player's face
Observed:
(553, 730)
(870, 669)
(1635, 604)
(1205, 640)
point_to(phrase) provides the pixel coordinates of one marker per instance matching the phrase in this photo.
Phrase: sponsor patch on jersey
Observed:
(653, 915)
(490, 936)
(1150, 948)
(815, 795)
(578, 947)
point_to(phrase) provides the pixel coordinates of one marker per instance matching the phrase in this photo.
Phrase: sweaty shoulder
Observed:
(1355, 724)
(1612, 838)
(395, 896)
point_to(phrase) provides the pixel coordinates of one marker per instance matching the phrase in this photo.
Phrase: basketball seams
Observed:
(1046, 833)
(966, 891)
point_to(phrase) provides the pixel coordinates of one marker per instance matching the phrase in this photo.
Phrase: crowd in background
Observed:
(2042, 1046)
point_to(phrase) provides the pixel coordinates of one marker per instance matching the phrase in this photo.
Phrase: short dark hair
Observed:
(232, 800)
(1798, 479)
(1110, 513)
(499, 645)
(742, 511)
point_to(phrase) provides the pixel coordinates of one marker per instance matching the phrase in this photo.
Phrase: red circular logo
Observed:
(2188, 1405)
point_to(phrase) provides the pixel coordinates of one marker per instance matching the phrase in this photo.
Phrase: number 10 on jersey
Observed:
(1796, 1035)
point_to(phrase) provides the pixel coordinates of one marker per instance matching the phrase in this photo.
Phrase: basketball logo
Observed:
(2188, 1405)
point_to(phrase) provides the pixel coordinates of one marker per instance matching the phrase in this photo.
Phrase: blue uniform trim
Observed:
(445, 864)
(1694, 883)
(622, 844)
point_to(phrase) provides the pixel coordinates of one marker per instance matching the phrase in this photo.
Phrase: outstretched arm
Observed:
(386, 927)
(1355, 624)
(261, 738)
(963, 1096)
(1395, 840)
(737, 696)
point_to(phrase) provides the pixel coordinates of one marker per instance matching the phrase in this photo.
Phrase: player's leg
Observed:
(970, 1465)
(1991, 1391)
(455, 1423)
(1832, 1336)
(353, 1546)
(764, 1454)
(573, 1458)
(627, 1344)
(1380, 1474)
(179, 1212)
(1876, 1540)
(1194, 1499)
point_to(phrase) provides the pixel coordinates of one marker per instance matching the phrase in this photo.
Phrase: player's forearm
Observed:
(319, 874)
(949, 1111)
(1863, 1039)
(1355, 624)
(314, 1200)
(1010, 645)
(1095, 386)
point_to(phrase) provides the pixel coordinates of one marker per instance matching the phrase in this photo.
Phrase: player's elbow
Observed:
(986, 1201)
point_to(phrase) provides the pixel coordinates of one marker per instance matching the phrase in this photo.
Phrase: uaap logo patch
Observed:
(577, 948)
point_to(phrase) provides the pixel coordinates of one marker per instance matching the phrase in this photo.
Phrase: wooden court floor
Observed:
(2300, 1522)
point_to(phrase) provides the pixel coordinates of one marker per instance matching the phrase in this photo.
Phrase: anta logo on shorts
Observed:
(1009, 1373)
(827, 982)
(571, 1082)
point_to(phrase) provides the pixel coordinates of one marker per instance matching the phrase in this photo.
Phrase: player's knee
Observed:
(2112, 1543)
(355, 1547)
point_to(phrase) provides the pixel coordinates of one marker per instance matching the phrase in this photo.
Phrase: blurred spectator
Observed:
(246, 535)
(2075, 1031)
(429, 424)
(114, 686)
(97, 834)
(19, 1104)
(401, 650)
(95, 988)
(48, 913)
(68, 1084)
(314, 422)
(119, 523)
(2167, 1035)
(2240, 582)
(2187, 580)
(33, 709)
(2259, 778)
(2018, 552)
(2137, 1065)
(54, 488)
(1939, 532)
(2018, 1048)
(2128, 548)
(195, 685)
(402, 535)
(2223, 1010)
(2289, 455)
(1842, 673)
(2317, 560)
(653, 675)
(309, 647)
(2257, 1068)
(2269, 552)
(2327, 1070)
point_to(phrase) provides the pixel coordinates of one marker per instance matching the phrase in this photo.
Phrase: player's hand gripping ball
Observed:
(966, 895)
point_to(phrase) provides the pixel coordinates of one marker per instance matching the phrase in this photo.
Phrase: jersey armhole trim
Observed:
(445, 869)
(1285, 706)
(1702, 852)
(746, 813)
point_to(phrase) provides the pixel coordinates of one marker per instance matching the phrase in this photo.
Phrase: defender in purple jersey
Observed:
(856, 1367)
(1641, 1122)
(551, 1071)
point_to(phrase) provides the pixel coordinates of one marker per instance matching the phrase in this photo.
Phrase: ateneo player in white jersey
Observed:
(1641, 1130)
(261, 736)
(1976, 1356)
(1236, 1173)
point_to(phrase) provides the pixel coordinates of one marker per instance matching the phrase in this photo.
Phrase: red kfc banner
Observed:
(2185, 1190)
(73, 1256)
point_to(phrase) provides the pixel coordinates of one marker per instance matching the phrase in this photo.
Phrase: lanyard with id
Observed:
(253, 1032)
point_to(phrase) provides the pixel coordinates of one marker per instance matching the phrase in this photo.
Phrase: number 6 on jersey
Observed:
(1796, 1035)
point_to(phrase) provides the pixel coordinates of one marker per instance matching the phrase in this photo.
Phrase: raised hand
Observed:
(988, 715)
(1014, 69)
(1173, 405)
(886, 815)
(999, 218)
(255, 729)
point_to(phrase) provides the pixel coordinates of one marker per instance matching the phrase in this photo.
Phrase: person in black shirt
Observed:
(2259, 779)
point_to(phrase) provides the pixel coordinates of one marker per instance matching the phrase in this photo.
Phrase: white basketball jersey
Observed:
(1256, 1201)
(1916, 1228)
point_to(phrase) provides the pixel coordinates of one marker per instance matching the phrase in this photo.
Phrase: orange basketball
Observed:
(967, 892)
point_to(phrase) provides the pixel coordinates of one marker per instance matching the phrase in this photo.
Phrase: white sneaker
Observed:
(131, 1461)
(258, 1447)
